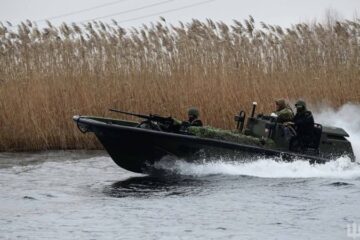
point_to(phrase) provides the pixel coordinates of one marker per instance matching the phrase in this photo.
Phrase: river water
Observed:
(84, 195)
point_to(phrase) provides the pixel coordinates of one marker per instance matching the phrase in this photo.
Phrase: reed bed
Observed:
(48, 75)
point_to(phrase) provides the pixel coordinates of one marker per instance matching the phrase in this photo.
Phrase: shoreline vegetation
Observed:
(48, 75)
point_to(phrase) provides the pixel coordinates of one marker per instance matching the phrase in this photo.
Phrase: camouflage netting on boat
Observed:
(228, 135)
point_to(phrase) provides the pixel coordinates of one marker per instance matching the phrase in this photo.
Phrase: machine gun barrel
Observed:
(131, 114)
(151, 117)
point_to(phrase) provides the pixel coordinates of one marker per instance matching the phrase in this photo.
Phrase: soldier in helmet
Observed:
(193, 117)
(284, 116)
(304, 125)
(193, 120)
(283, 111)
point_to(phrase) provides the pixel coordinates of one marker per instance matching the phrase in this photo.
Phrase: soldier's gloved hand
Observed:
(176, 122)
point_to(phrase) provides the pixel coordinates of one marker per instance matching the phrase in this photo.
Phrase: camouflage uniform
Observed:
(284, 112)
(194, 120)
(196, 123)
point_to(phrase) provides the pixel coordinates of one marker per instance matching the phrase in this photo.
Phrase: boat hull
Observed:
(137, 149)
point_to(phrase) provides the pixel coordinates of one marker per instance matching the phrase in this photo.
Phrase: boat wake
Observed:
(347, 116)
(341, 168)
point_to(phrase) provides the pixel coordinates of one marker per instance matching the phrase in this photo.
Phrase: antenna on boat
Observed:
(253, 109)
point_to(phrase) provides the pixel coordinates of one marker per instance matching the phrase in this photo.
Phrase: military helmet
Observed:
(281, 103)
(193, 111)
(300, 103)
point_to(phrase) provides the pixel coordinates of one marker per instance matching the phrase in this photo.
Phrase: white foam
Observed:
(341, 168)
(346, 117)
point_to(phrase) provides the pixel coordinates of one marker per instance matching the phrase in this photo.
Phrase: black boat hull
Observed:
(137, 149)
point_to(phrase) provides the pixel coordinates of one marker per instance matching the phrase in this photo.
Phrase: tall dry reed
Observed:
(48, 75)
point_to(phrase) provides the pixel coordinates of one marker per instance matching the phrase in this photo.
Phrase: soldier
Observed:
(283, 111)
(304, 125)
(193, 120)
(193, 117)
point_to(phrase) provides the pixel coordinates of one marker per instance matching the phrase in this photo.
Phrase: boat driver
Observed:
(304, 126)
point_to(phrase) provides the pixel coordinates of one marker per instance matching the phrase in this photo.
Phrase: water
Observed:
(84, 195)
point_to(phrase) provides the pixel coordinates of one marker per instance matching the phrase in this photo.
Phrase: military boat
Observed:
(139, 146)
